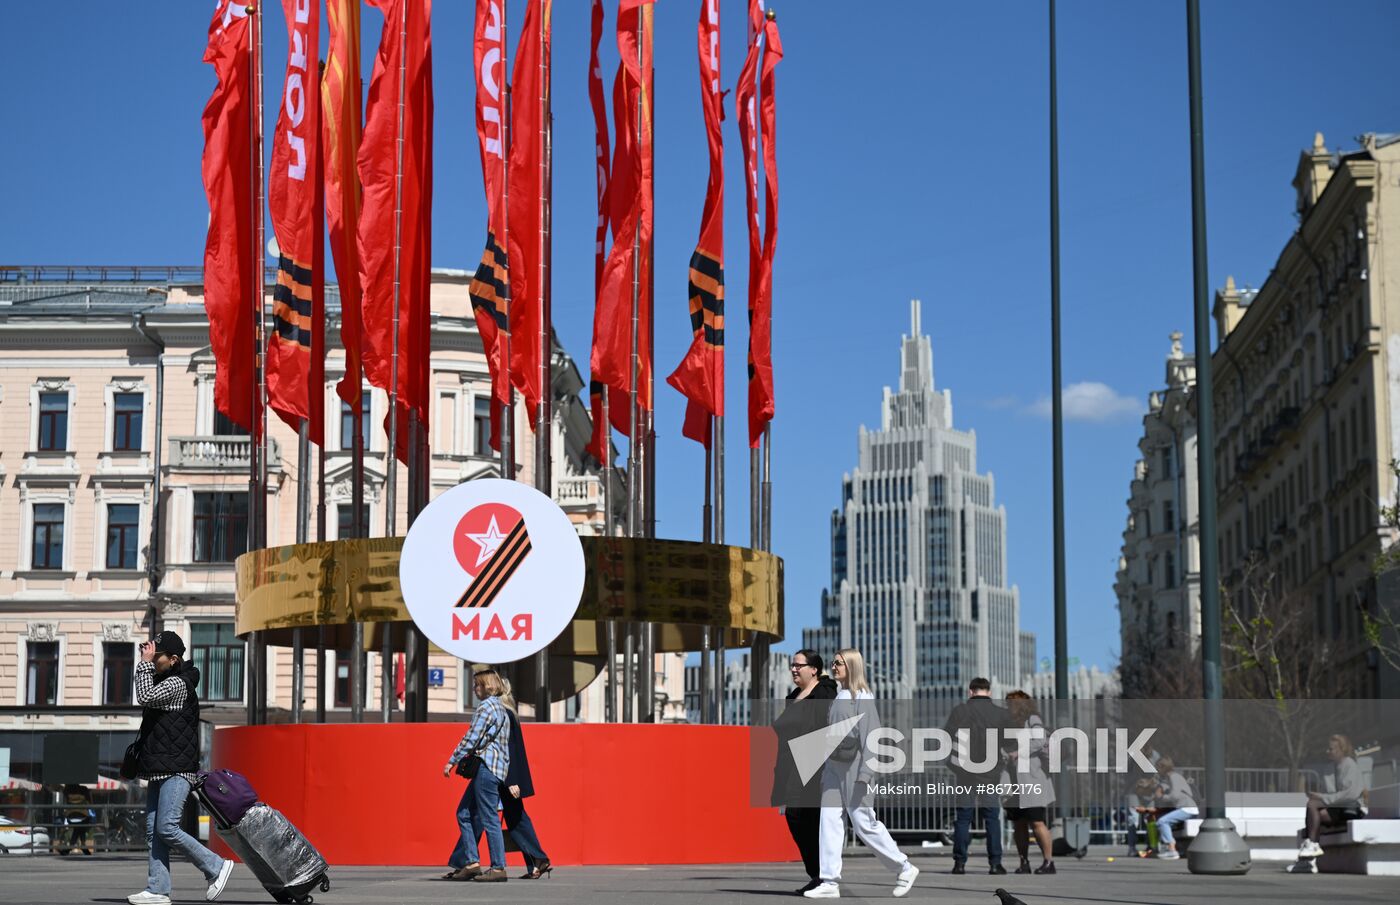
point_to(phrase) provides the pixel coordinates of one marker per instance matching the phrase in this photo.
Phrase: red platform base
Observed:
(605, 794)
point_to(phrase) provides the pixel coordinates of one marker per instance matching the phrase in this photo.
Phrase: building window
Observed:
(220, 526)
(1169, 569)
(123, 523)
(53, 421)
(118, 665)
(127, 409)
(481, 426)
(347, 422)
(1167, 470)
(343, 518)
(48, 536)
(224, 426)
(41, 672)
(342, 679)
(218, 653)
(1168, 516)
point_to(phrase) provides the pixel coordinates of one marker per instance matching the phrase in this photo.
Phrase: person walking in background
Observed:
(808, 705)
(169, 758)
(845, 786)
(1174, 795)
(1028, 810)
(1340, 798)
(520, 786)
(485, 754)
(972, 764)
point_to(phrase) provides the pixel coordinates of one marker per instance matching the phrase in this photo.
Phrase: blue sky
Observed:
(912, 150)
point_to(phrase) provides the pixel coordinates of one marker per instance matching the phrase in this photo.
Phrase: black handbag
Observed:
(131, 760)
(467, 766)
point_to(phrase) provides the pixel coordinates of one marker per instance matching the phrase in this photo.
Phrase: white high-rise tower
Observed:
(918, 552)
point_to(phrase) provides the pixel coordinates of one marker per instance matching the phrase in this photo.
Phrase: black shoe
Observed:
(1047, 868)
(958, 868)
(1025, 867)
(996, 870)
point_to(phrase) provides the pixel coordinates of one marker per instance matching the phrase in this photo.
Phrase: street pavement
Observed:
(47, 880)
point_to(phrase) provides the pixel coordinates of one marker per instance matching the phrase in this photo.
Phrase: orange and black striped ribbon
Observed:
(498, 571)
(291, 302)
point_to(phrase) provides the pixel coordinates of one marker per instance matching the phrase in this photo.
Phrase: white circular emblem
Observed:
(492, 571)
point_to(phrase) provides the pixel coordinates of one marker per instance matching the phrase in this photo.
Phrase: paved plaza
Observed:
(66, 881)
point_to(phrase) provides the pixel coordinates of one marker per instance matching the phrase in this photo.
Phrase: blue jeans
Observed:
(165, 802)
(1169, 820)
(962, 832)
(522, 830)
(476, 812)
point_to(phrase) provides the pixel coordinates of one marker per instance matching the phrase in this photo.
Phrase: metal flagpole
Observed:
(1056, 405)
(1217, 848)
(718, 667)
(544, 482)
(707, 531)
(303, 530)
(257, 479)
(320, 538)
(636, 455)
(647, 690)
(610, 702)
(507, 423)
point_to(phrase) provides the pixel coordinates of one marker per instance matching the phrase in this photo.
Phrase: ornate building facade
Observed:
(123, 493)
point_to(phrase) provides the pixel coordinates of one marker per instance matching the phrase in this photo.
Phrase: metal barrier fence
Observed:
(1100, 797)
(110, 828)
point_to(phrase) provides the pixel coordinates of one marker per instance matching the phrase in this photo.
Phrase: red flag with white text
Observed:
(761, 407)
(292, 195)
(232, 266)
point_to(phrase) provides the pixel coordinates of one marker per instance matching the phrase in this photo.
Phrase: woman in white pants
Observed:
(845, 780)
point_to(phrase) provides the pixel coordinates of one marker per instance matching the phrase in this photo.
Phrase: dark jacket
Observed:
(807, 715)
(518, 773)
(977, 715)
(172, 736)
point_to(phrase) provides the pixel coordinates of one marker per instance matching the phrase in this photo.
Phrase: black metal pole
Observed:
(1056, 402)
(1217, 849)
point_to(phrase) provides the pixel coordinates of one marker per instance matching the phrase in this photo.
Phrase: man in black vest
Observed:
(165, 689)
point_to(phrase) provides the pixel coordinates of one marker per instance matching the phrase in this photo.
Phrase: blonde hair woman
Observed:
(845, 780)
(487, 747)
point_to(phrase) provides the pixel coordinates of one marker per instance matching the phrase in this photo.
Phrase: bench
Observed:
(1268, 821)
(1364, 846)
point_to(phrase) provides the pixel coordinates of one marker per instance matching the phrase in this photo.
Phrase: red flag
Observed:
(489, 287)
(340, 105)
(398, 209)
(291, 196)
(630, 209)
(761, 302)
(601, 443)
(231, 264)
(700, 376)
(529, 99)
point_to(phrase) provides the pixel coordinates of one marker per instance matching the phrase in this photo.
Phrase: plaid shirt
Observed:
(168, 695)
(489, 722)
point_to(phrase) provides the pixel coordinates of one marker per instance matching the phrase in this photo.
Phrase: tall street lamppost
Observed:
(1217, 848)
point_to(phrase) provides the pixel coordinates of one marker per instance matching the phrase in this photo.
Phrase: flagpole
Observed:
(707, 533)
(718, 435)
(648, 640)
(507, 421)
(257, 483)
(303, 518)
(635, 453)
(610, 702)
(544, 440)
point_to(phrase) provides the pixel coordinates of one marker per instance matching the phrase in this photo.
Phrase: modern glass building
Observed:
(918, 552)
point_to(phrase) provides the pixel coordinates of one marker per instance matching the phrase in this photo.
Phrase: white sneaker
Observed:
(906, 880)
(823, 890)
(148, 898)
(1310, 849)
(217, 887)
(1169, 855)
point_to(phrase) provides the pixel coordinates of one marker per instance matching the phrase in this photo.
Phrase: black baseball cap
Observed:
(170, 643)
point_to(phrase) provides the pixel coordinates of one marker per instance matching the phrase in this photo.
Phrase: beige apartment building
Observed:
(1158, 580)
(1307, 400)
(123, 490)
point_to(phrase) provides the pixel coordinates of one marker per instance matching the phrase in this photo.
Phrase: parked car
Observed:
(21, 839)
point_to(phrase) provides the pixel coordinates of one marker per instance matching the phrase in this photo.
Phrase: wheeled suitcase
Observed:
(287, 865)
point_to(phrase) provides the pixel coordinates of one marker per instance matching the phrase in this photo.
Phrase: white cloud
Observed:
(1091, 401)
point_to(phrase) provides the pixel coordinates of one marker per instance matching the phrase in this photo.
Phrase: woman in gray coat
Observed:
(1029, 809)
